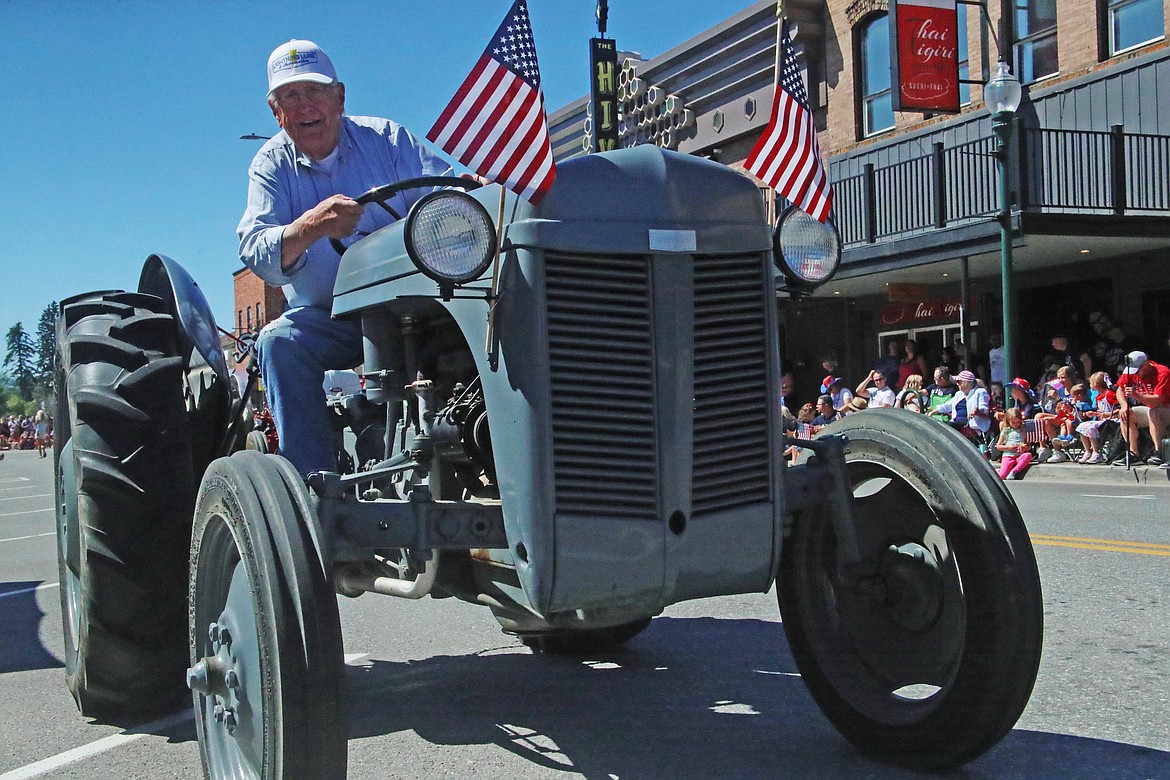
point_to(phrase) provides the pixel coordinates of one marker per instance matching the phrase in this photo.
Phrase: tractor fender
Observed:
(165, 278)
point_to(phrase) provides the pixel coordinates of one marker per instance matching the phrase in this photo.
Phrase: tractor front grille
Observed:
(602, 369)
(602, 366)
(732, 463)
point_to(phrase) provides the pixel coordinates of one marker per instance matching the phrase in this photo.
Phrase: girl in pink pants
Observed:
(1016, 455)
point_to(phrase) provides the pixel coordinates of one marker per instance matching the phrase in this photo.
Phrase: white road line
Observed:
(31, 536)
(19, 487)
(1105, 495)
(42, 586)
(29, 512)
(16, 479)
(21, 498)
(46, 765)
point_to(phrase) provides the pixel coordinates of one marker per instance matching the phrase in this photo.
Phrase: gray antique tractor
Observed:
(575, 431)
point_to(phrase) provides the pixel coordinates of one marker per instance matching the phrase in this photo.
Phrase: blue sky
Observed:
(123, 117)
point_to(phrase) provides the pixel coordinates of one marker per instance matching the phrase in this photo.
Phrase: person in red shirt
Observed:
(1143, 397)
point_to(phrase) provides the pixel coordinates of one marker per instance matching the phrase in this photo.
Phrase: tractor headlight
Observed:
(450, 236)
(806, 251)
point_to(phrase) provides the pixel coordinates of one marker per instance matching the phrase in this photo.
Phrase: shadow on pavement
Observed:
(689, 698)
(21, 649)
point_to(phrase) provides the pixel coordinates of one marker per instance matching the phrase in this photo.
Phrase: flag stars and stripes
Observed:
(495, 124)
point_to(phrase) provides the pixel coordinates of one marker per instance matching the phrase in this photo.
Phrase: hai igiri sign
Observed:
(924, 39)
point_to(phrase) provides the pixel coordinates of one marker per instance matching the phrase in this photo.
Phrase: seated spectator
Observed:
(1104, 410)
(1143, 400)
(825, 412)
(940, 392)
(835, 386)
(804, 430)
(880, 395)
(912, 396)
(1057, 412)
(969, 409)
(1016, 453)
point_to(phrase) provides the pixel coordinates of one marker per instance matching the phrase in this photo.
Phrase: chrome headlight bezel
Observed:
(422, 243)
(806, 251)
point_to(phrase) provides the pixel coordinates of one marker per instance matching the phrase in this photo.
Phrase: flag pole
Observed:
(493, 300)
(779, 32)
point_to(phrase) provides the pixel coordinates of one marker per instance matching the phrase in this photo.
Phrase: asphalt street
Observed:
(709, 690)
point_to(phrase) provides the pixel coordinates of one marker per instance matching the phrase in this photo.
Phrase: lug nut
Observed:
(220, 713)
(229, 719)
(231, 679)
(197, 678)
(213, 633)
(225, 638)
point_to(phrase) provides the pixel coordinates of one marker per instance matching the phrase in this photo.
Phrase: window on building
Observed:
(240, 321)
(259, 322)
(1132, 23)
(249, 310)
(877, 106)
(1035, 46)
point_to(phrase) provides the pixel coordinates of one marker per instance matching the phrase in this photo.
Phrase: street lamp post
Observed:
(1002, 96)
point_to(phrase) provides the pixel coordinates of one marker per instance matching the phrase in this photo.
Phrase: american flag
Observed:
(786, 157)
(495, 124)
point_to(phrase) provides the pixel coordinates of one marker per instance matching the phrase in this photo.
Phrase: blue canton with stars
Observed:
(512, 45)
(790, 80)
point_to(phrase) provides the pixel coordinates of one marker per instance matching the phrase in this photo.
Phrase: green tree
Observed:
(46, 340)
(21, 360)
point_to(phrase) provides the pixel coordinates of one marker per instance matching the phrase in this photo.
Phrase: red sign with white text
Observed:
(915, 312)
(925, 44)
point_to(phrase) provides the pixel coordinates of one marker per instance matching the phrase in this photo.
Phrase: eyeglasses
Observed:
(314, 93)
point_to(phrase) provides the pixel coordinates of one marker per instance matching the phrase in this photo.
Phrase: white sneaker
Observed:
(1043, 454)
(1095, 458)
(1058, 457)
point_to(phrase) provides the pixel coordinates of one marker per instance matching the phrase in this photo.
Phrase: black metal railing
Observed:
(1053, 171)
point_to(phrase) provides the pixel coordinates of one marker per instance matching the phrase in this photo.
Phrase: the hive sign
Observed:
(646, 113)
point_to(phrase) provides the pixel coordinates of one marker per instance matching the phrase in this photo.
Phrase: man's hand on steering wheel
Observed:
(382, 195)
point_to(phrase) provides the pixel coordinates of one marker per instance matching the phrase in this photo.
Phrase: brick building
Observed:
(916, 199)
(256, 302)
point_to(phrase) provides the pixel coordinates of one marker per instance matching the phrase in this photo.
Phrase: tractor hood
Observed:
(678, 204)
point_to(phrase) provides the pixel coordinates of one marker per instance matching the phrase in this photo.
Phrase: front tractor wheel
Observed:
(124, 491)
(265, 637)
(929, 660)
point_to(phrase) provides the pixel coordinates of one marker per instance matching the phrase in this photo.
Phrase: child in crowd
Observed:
(1090, 430)
(1016, 455)
(911, 397)
(804, 430)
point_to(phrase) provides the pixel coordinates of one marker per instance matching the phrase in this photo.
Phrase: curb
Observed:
(1151, 476)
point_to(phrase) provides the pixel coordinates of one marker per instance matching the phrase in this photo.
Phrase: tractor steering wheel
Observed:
(381, 195)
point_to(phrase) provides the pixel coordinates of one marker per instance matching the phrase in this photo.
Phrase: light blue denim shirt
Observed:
(283, 184)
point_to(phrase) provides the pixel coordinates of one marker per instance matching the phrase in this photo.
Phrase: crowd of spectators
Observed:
(27, 433)
(1073, 410)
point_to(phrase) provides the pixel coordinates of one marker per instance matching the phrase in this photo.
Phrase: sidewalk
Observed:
(1075, 472)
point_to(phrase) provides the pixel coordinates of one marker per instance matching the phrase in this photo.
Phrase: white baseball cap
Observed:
(299, 60)
(1134, 361)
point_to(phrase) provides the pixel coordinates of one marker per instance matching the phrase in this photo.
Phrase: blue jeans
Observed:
(295, 351)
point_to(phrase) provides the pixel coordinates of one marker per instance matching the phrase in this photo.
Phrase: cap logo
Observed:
(295, 59)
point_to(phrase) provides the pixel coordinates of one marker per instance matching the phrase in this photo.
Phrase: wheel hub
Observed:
(912, 584)
(217, 677)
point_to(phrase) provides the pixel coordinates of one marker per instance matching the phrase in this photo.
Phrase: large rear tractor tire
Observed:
(125, 492)
(930, 661)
